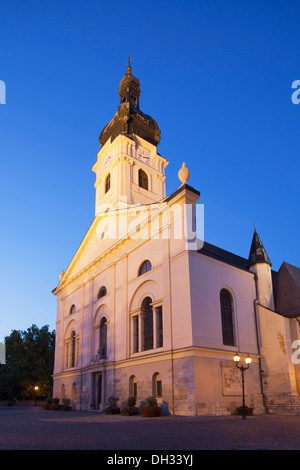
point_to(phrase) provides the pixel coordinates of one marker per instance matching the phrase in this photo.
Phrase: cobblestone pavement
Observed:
(32, 428)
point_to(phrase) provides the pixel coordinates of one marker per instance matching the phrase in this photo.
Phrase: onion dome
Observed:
(129, 120)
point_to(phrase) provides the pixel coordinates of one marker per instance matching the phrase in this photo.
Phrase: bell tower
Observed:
(128, 167)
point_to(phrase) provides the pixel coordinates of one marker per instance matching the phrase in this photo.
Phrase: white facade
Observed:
(160, 332)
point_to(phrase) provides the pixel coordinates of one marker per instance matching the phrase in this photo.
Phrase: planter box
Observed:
(151, 411)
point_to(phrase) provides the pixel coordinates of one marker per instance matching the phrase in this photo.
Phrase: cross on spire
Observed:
(128, 65)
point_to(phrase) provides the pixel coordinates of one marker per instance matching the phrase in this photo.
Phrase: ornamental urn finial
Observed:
(184, 173)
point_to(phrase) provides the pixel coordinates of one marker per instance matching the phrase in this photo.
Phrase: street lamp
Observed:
(35, 389)
(248, 361)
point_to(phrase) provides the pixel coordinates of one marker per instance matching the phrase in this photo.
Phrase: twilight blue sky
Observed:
(216, 75)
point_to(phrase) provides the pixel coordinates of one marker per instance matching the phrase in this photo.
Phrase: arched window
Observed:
(73, 349)
(102, 292)
(143, 179)
(147, 319)
(145, 267)
(132, 386)
(107, 183)
(156, 385)
(103, 338)
(72, 309)
(227, 318)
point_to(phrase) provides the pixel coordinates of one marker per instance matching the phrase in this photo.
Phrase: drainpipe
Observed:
(258, 346)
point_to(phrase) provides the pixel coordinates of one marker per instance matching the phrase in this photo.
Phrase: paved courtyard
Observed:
(32, 428)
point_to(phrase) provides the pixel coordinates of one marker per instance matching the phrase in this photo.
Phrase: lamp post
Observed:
(248, 361)
(35, 390)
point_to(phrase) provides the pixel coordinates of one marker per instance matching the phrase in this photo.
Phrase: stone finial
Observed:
(61, 274)
(184, 173)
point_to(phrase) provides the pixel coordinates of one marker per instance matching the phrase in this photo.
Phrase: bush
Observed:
(151, 409)
(130, 409)
(55, 404)
(112, 408)
(131, 402)
(66, 405)
(151, 401)
(248, 411)
(48, 404)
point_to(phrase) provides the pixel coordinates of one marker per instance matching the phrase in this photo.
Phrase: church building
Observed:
(147, 309)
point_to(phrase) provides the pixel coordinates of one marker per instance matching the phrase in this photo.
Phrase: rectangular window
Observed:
(135, 328)
(148, 329)
(159, 327)
(159, 388)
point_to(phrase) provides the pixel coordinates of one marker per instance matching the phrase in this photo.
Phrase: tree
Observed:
(29, 362)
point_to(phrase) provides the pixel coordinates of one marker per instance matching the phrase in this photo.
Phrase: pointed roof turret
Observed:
(257, 253)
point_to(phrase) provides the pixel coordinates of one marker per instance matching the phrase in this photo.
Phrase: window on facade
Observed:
(143, 179)
(159, 327)
(147, 327)
(145, 267)
(132, 386)
(72, 309)
(102, 292)
(147, 319)
(103, 338)
(135, 332)
(107, 183)
(73, 349)
(156, 385)
(227, 318)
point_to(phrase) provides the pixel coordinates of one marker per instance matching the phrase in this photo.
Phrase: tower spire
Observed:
(257, 253)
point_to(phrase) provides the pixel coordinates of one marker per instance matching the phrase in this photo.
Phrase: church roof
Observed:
(287, 290)
(129, 120)
(222, 255)
(257, 253)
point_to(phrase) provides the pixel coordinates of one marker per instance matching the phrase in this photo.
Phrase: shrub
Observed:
(131, 402)
(112, 408)
(130, 409)
(151, 409)
(48, 404)
(66, 405)
(55, 404)
(248, 411)
(151, 401)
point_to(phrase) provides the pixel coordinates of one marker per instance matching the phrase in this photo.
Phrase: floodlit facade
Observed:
(144, 308)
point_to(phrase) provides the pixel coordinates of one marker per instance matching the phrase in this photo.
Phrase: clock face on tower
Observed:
(143, 156)
(107, 160)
